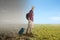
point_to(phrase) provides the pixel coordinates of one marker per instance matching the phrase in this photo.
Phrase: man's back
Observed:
(30, 15)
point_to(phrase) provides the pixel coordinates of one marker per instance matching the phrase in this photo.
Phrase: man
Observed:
(29, 17)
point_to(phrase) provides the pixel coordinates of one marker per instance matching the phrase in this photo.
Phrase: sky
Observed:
(45, 12)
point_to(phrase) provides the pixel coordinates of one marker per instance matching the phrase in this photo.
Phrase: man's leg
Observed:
(28, 28)
(31, 26)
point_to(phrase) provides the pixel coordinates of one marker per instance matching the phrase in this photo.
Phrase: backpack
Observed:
(27, 16)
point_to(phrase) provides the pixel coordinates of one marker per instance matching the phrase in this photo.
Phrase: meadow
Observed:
(46, 32)
(40, 32)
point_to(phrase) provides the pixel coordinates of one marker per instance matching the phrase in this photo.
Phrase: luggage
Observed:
(21, 31)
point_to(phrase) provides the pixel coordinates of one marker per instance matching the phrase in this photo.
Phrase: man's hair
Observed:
(32, 7)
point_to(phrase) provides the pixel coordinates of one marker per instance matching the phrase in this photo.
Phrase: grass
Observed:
(41, 32)
(46, 32)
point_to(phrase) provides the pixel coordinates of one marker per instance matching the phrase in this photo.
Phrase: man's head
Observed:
(32, 7)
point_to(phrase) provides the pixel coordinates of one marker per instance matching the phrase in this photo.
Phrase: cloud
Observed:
(55, 18)
(4, 11)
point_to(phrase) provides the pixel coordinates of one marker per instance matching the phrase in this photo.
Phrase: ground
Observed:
(40, 32)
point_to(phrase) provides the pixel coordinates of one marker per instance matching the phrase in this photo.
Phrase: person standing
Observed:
(29, 17)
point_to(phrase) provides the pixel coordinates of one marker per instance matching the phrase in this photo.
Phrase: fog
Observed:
(12, 15)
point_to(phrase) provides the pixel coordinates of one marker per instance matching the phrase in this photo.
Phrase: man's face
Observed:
(32, 8)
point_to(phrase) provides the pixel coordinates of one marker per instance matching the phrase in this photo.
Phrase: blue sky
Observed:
(46, 11)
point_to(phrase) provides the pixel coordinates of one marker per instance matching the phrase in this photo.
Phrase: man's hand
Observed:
(28, 18)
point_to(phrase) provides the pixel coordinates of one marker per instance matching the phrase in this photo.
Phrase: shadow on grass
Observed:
(17, 37)
(27, 36)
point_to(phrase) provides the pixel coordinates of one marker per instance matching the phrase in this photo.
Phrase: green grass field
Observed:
(46, 32)
(40, 32)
